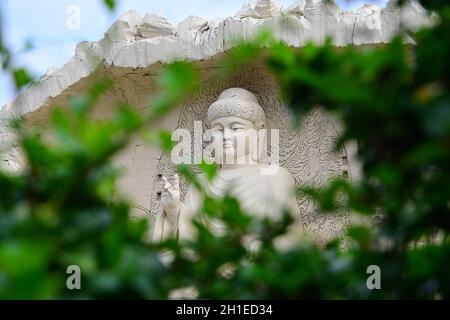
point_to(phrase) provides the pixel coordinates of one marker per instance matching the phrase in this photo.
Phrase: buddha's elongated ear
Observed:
(260, 125)
(255, 153)
(259, 152)
(263, 147)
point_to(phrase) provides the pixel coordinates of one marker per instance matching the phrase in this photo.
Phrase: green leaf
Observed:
(21, 77)
(110, 4)
(80, 104)
(165, 140)
(360, 234)
(210, 170)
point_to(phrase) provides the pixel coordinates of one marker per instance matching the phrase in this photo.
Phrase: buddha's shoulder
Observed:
(276, 174)
(265, 172)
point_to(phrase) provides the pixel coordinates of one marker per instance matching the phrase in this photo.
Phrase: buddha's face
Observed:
(236, 139)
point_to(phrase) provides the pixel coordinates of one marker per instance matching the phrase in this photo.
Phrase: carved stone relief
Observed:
(306, 151)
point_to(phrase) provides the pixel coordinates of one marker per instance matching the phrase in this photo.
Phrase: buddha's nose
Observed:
(227, 134)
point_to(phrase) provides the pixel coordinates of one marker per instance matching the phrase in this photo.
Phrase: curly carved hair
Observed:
(237, 102)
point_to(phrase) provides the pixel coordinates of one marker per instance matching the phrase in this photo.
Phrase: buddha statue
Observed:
(260, 190)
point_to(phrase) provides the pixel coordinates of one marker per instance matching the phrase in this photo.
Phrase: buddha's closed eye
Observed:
(217, 130)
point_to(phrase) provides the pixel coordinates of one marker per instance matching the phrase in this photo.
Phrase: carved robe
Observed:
(259, 193)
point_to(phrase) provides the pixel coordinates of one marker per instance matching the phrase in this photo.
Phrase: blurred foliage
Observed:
(394, 100)
(110, 4)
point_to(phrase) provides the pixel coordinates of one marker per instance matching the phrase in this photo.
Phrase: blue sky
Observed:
(44, 24)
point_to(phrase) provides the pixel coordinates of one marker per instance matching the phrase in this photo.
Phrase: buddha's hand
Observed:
(170, 198)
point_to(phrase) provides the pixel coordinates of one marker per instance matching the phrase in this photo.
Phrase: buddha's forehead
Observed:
(230, 120)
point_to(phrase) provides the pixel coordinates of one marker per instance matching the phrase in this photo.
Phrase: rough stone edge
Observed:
(196, 39)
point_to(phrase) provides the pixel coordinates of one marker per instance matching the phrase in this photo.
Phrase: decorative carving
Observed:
(307, 151)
